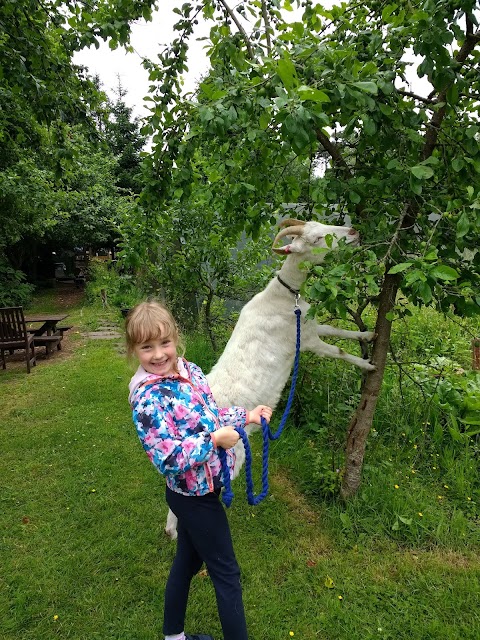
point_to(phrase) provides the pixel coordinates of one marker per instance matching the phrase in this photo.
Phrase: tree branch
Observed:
(400, 227)
(409, 94)
(267, 26)
(239, 27)
(431, 137)
(334, 151)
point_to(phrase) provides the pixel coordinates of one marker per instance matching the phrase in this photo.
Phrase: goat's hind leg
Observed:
(171, 526)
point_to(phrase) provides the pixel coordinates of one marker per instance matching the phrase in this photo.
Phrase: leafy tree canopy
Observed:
(402, 167)
(56, 171)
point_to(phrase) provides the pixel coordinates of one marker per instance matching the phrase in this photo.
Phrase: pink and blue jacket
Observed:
(174, 417)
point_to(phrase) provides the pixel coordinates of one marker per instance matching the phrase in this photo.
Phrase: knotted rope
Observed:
(227, 495)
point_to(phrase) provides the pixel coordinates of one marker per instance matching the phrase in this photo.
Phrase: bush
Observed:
(420, 477)
(105, 284)
(14, 291)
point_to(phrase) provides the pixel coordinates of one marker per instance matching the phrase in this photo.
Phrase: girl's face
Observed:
(158, 356)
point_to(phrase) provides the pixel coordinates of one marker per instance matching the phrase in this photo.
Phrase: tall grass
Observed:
(421, 482)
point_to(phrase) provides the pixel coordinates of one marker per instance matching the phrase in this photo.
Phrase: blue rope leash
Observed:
(252, 499)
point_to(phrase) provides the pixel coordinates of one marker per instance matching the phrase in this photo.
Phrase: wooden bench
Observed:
(63, 329)
(49, 342)
(14, 335)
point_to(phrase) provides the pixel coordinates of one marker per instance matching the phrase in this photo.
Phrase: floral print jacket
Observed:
(174, 417)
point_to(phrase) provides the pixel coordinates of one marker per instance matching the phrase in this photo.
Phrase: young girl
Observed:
(181, 428)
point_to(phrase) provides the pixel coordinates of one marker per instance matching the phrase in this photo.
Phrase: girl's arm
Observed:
(169, 453)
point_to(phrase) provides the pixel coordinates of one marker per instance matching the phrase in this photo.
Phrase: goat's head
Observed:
(311, 235)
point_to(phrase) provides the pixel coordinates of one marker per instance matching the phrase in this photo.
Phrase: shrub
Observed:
(14, 291)
(106, 284)
(420, 477)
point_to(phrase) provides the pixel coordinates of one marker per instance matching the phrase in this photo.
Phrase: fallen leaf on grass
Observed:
(329, 583)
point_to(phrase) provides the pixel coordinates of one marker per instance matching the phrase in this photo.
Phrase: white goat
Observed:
(258, 358)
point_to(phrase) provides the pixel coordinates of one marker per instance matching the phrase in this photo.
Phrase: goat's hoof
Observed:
(368, 336)
(368, 366)
(171, 533)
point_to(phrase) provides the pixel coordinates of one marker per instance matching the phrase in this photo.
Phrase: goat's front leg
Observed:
(326, 330)
(171, 526)
(311, 342)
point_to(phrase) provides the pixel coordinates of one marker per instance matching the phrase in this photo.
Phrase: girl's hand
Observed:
(225, 437)
(262, 411)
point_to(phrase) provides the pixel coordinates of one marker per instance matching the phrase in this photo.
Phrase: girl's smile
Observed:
(158, 356)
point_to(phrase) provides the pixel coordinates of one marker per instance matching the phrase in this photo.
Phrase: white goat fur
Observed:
(258, 358)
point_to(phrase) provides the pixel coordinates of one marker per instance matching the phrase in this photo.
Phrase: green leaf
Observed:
(463, 225)
(424, 291)
(315, 95)
(422, 172)
(264, 120)
(407, 521)
(401, 266)
(472, 432)
(287, 73)
(394, 164)
(458, 164)
(329, 583)
(444, 272)
(369, 125)
(368, 87)
(345, 519)
(456, 435)
(387, 11)
(415, 276)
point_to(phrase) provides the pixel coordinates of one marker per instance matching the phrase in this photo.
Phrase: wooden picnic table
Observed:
(48, 335)
(49, 322)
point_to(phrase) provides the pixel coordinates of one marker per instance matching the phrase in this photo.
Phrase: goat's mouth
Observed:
(353, 237)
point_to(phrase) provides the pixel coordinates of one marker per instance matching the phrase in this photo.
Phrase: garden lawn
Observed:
(83, 554)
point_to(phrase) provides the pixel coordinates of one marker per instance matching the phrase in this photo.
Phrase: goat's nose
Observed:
(353, 232)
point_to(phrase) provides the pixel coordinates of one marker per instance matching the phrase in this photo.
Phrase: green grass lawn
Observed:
(82, 549)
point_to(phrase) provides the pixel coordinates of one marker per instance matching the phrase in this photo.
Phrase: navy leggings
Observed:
(203, 536)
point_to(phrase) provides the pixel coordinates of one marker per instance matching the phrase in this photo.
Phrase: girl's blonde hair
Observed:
(150, 321)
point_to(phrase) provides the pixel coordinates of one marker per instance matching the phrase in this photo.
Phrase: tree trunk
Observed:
(361, 421)
(208, 320)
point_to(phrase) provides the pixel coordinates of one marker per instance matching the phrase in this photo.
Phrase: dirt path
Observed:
(68, 296)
